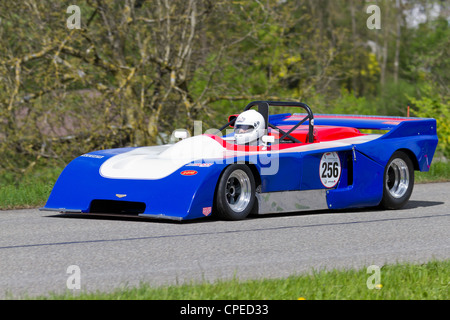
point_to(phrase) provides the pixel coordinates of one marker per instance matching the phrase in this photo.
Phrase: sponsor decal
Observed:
(188, 173)
(200, 165)
(330, 169)
(207, 211)
(92, 156)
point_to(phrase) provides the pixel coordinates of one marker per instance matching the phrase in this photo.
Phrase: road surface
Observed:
(38, 248)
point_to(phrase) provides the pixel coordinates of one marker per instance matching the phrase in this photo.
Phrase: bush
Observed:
(433, 105)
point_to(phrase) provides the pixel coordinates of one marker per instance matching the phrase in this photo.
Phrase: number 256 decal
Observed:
(330, 169)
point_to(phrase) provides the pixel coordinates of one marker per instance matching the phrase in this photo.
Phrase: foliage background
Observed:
(138, 69)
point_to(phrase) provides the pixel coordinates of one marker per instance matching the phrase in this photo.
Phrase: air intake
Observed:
(117, 207)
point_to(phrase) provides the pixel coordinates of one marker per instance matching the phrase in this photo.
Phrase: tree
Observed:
(126, 70)
(137, 69)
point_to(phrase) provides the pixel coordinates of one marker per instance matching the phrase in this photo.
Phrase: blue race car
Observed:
(267, 163)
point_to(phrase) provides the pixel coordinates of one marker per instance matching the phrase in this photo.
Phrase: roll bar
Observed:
(263, 108)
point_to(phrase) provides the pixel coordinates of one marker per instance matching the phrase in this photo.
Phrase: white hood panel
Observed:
(151, 163)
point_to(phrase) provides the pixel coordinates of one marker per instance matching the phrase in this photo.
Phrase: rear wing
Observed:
(344, 120)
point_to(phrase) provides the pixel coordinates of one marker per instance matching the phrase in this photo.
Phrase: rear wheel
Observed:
(235, 195)
(398, 181)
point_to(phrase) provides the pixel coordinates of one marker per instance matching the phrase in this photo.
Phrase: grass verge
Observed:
(30, 191)
(439, 172)
(430, 281)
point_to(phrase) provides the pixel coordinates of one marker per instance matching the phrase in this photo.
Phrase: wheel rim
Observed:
(238, 190)
(397, 178)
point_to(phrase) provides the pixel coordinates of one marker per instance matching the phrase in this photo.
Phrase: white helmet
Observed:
(249, 127)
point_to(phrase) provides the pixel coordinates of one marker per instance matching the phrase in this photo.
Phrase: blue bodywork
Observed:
(183, 197)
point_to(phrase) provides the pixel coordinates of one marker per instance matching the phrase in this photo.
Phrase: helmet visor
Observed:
(243, 128)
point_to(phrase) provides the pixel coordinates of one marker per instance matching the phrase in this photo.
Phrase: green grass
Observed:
(29, 191)
(430, 281)
(439, 172)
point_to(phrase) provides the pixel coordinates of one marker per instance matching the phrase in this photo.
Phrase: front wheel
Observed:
(398, 181)
(235, 195)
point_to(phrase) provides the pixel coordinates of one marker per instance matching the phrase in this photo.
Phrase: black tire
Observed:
(235, 193)
(398, 181)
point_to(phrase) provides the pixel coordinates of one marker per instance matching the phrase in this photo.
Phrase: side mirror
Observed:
(181, 134)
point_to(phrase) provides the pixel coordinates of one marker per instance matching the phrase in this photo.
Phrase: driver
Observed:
(249, 128)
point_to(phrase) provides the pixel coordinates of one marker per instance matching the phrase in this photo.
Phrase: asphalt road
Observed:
(37, 248)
